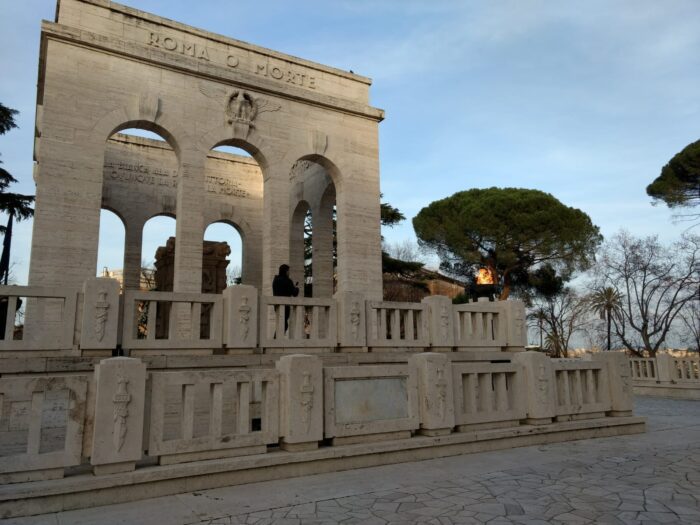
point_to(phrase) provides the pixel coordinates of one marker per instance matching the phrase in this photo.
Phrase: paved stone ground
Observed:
(649, 478)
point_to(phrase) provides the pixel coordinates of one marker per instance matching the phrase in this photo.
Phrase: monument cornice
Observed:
(215, 37)
(208, 71)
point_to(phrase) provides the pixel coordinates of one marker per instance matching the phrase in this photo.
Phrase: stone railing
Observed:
(582, 389)
(97, 320)
(665, 375)
(163, 320)
(186, 416)
(297, 322)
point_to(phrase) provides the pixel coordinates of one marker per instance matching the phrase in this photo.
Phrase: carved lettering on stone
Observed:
(101, 314)
(306, 400)
(244, 318)
(120, 401)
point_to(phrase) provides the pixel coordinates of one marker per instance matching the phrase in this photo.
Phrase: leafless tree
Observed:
(690, 322)
(405, 251)
(560, 316)
(233, 275)
(654, 282)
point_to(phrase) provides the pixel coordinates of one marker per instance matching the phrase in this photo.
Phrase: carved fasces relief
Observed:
(444, 322)
(441, 389)
(244, 317)
(306, 399)
(101, 314)
(355, 320)
(120, 401)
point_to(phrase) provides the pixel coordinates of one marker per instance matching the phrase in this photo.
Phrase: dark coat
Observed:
(283, 286)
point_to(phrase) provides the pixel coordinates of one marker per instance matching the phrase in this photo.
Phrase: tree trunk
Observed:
(608, 312)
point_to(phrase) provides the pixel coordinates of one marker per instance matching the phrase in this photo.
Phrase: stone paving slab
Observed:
(639, 479)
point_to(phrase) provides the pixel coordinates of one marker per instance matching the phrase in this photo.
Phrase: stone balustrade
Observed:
(667, 376)
(49, 423)
(96, 320)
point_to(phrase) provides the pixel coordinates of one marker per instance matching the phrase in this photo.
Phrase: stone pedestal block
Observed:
(100, 324)
(619, 382)
(240, 316)
(352, 331)
(441, 320)
(540, 386)
(665, 368)
(117, 441)
(435, 394)
(516, 327)
(301, 401)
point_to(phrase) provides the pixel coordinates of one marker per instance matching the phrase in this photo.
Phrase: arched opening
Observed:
(234, 209)
(140, 182)
(300, 248)
(222, 257)
(313, 194)
(158, 254)
(110, 247)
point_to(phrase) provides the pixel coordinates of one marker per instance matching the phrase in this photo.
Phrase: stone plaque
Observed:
(365, 400)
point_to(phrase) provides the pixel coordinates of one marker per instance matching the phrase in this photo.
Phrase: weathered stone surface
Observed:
(301, 394)
(435, 390)
(106, 68)
(100, 314)
(119, 413)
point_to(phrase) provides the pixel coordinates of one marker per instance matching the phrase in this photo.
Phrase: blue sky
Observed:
(585, 100)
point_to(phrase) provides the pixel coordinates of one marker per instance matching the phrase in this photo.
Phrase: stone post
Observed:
(100, 324)
(665, 369)
(540, 385)
(301, 401)
(276, 224)
(620, 385)
(117, 440)
(516, 327)
(189, 229)
(441, 322)
(241, 316)
(133, 239)
(322, 251)
(352, 323)
(435, 395)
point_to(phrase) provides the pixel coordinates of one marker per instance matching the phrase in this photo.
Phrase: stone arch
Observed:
(253, 143)
(296, 242)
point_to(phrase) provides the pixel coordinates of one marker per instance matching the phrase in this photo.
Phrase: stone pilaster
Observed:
(100, 324)
(540, 386)
(435, 394)
(241, 316)
(117, 441)
(516, 326)
(352, 325)
(301, 401)
(619, 382)
(441, 322)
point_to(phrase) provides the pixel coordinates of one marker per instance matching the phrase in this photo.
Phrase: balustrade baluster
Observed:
(151, 323)
(395, 324)
(187, 411)
(243, 424)
(10, 318)
(216, 408)
(195, 321)
(35, 417)
(410, 327)
(501, 392)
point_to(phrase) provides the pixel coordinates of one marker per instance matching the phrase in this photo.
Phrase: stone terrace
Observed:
(642, 478)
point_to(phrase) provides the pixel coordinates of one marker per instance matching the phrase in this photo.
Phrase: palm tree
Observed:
(605, 302)
(17, 206)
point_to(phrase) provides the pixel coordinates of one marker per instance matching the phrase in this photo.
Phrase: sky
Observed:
(584, 100)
